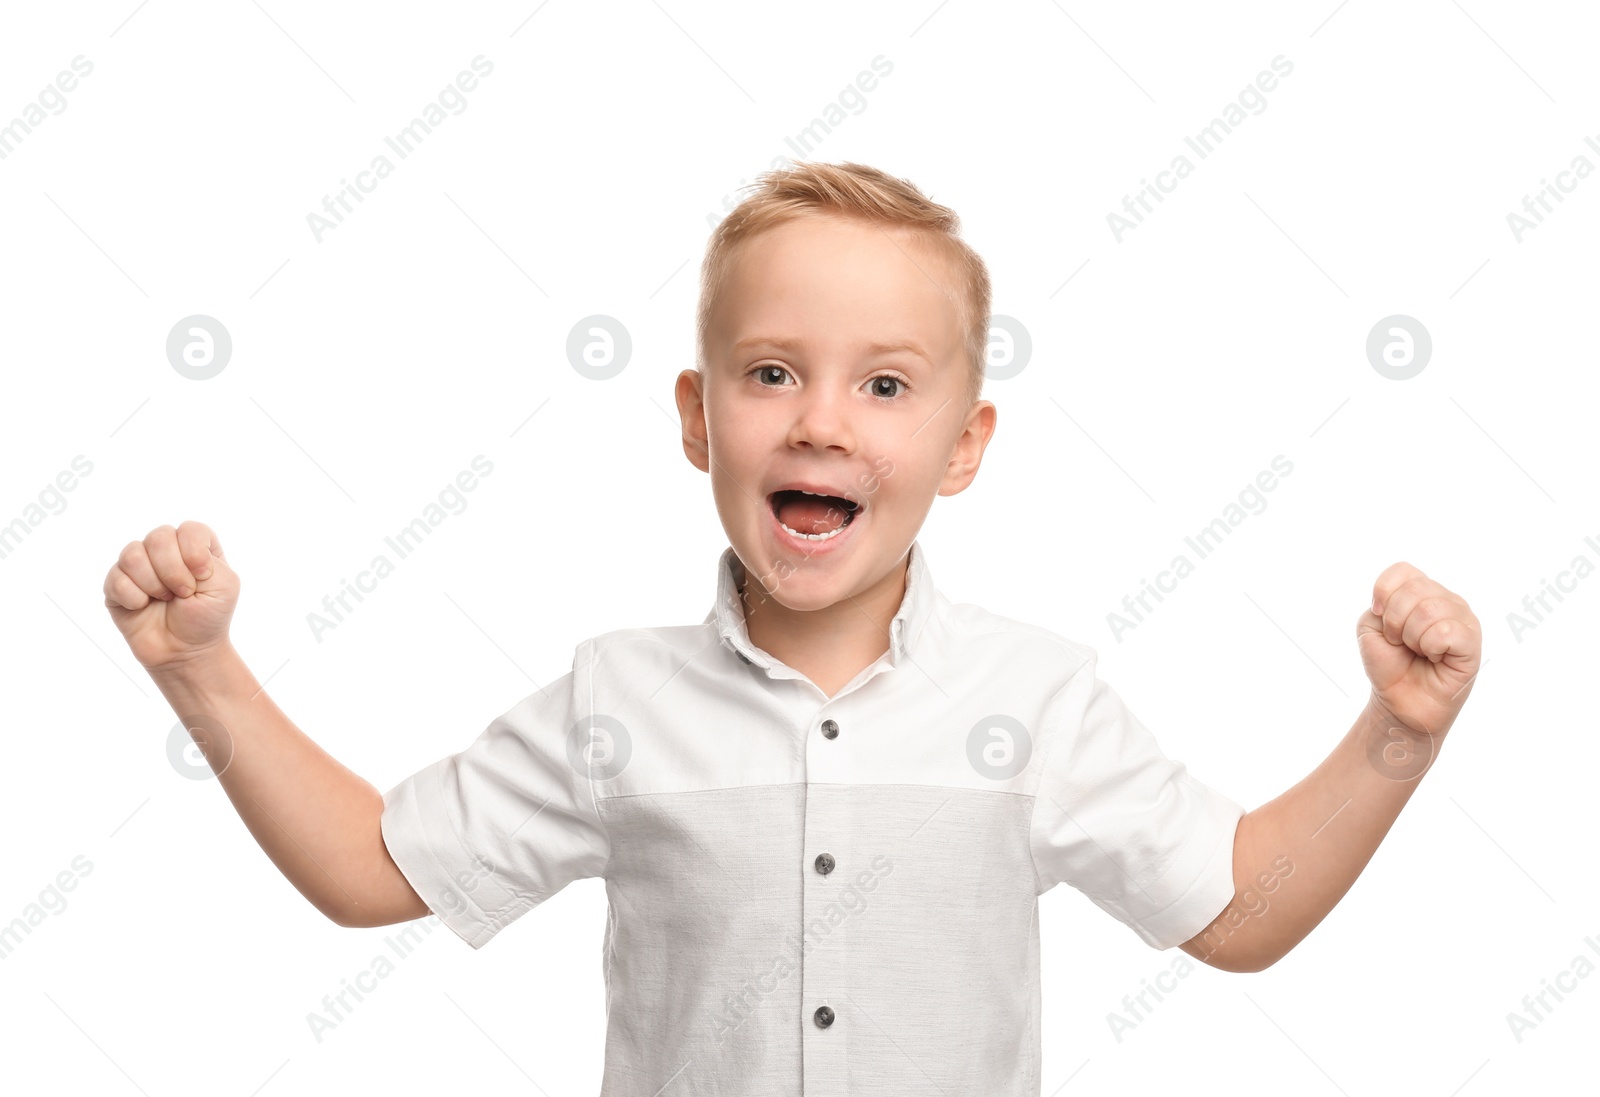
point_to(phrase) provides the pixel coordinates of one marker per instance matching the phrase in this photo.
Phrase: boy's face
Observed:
(804, 386)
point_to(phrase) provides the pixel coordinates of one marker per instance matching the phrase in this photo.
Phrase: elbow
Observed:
(1245, 963)
(346, 912)
(1250, 966)
(373, 915)
(1238, 960)
(359, 917)
(342, 918)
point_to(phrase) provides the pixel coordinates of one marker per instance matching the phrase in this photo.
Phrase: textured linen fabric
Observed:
(975, 765)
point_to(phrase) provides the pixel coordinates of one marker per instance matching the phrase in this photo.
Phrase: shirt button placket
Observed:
(824, 926)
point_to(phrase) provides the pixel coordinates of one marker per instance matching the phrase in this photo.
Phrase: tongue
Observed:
(810, 513)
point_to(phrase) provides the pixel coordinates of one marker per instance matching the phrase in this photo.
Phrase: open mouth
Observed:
(812, 516)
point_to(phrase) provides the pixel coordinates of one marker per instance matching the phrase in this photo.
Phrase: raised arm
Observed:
(172, 596)
(1296, 856)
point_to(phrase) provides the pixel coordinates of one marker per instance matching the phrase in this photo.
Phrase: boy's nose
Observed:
(824, 422)
(824, 419)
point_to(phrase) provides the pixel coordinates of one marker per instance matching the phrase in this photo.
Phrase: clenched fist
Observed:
(172, 595)
(1421, 645)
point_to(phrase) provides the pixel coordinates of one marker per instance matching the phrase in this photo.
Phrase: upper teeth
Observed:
(823, 494)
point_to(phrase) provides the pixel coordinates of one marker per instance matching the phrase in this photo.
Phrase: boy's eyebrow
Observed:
(789, 344)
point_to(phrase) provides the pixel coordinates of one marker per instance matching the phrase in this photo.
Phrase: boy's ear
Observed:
(692, 416)
(968, 452)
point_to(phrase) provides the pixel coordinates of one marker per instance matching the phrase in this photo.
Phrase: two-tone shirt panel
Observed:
(839, 887)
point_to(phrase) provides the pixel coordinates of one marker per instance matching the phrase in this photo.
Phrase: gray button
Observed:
(824, 863)
(830, 729)
(823, 1016)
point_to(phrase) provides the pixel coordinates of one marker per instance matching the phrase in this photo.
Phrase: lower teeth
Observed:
(814, 536)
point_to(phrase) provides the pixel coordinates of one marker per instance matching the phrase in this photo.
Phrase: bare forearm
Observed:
(1296, 856)
(316, 820)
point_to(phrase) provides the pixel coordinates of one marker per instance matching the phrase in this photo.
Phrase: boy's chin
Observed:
(788, 576)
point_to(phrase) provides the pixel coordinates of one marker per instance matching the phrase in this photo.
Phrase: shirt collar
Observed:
(728, 611)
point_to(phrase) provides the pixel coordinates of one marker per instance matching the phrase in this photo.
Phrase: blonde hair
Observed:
(853, 190)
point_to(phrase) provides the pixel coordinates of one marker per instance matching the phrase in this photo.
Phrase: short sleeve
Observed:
(486, 835)
(1120, 821)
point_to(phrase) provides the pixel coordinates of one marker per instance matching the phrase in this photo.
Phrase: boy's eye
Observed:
(882, 386)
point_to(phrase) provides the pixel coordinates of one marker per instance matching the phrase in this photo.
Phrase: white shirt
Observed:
(812, 895)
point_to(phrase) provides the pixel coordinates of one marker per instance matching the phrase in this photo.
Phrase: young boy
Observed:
(825, 814)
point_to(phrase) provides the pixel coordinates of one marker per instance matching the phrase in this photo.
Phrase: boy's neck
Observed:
(830, 646)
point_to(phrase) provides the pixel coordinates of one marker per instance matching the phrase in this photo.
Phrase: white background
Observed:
(1167, 371)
